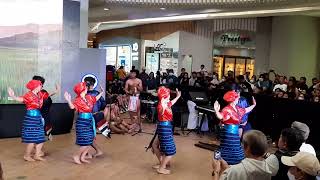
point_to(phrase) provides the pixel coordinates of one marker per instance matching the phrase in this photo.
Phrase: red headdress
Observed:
(31, 85)
(230, 96)
(79, 88)
(163, 92)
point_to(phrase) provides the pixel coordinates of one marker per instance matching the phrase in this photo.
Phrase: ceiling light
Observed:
(106, 9)
(163, 8)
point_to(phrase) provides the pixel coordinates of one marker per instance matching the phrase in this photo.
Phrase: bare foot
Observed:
(39, 158)
(157, 166)
(28, 158)
(99, 153)
(163, 171)
(89, 156)
(76, 159)
(41, 154)
(85, 161)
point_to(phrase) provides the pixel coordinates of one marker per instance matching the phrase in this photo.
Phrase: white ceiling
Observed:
(124, 15)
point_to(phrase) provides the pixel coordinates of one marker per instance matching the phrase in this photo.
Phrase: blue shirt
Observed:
(100, 104)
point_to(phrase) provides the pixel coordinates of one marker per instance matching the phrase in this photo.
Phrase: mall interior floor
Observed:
(124, 158)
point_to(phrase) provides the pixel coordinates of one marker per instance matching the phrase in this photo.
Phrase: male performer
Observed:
(133, 88)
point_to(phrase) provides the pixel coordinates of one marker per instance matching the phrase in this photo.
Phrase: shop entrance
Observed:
(239, 65)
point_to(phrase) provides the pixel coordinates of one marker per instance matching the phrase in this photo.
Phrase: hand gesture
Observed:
(101, 89)
(178, 92)
(216, 106)
(57, 87)
(254, 101)
(67, 96)
(10, 92)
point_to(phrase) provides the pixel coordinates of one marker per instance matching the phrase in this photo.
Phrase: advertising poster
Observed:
(124, 57)
(111, 55)
(152, 62)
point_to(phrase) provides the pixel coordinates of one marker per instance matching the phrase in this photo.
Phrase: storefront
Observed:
(234, 51)
(158, 58)
(122, 52)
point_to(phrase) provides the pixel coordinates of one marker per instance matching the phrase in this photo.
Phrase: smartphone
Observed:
(217, 155)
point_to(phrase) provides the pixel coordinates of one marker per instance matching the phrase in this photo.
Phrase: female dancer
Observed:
(164, 130)
(45, 109)
(33, 126)
(231, 115)
(85, 124)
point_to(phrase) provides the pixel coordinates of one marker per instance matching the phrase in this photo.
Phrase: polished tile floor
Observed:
(124, 158)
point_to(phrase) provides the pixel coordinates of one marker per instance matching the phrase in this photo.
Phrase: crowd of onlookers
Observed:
(270, 83)
(294, 159)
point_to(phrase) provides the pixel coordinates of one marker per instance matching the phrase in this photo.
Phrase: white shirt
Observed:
(283, 87)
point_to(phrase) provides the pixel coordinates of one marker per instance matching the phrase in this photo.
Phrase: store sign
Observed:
(239, 38)
(135, 53)
(159, 48)
(235, 39)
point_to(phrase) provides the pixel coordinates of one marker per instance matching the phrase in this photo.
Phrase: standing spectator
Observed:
(193, 79)
(200, 81)
(172, 80)
(303, 166)
(281, 85)
(121, 73)
(202, 69)
(151, 82)
(312, 87)
(289, 143)
(302, 86)
(256, 166)
(215, 80)
(143, 76)
(292, 90)
(183, 70)
(244, 85)
(158, 78)
(164, 78)
(184, 82)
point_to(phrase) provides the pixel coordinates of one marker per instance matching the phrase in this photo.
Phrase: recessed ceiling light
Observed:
(106, 9)
(163, 8)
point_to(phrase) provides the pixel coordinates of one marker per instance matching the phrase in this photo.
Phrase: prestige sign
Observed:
(237, 39)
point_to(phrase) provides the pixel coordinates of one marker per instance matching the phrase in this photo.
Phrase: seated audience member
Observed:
(289, 143)
(304, 130)
(281, 85)
(258, 164)
(303, 166)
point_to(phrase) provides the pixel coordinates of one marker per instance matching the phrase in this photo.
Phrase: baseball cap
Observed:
(306, 162)
(302, 127)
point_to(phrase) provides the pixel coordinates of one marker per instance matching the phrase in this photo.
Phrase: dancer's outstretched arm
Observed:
(67, 96)
(100, 94)
(57, 90)
(250, 108)
(177, 97)
(11, 94)
(216, 107)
